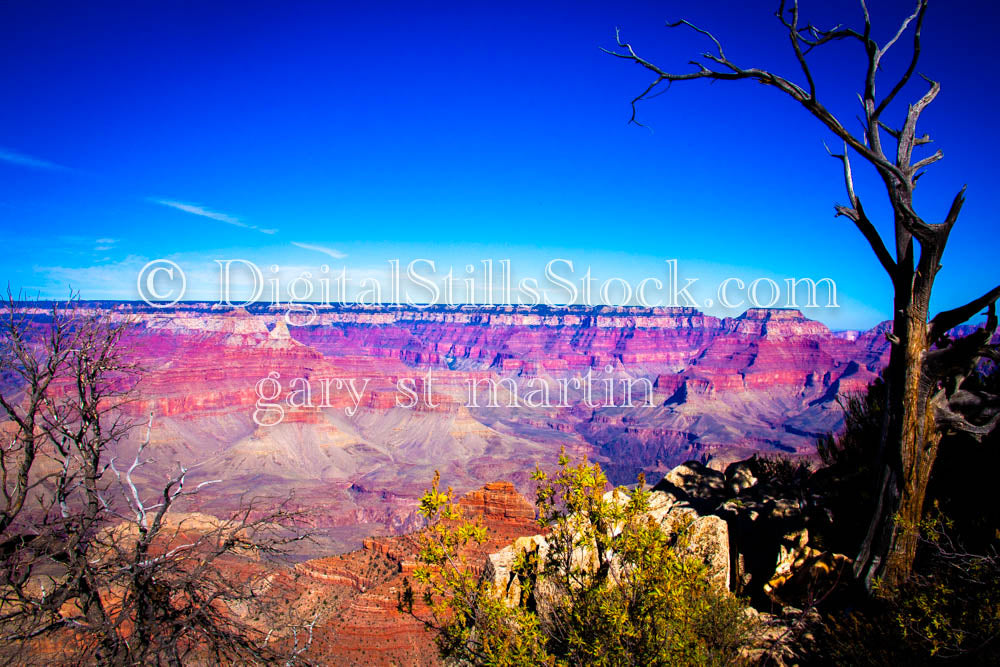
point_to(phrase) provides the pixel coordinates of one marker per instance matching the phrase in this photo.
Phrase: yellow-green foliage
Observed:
(473, 624)
(948, 612)
(951, 607)
(620, 591)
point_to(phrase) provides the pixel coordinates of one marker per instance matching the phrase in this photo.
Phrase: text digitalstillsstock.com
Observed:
(162, 283)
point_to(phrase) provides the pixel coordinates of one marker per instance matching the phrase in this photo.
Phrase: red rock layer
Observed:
(357, 593)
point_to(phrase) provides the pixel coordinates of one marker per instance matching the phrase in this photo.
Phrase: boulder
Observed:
(708, 540)
(739, 478)
(696, 483)
(499, 568)
(805, 575)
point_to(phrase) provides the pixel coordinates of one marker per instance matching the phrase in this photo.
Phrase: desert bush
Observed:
(618, 588)
(857, 446)
(948, 612)
(848, 480)
(472, 623)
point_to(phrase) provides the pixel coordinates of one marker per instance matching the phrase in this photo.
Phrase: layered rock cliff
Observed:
(318, 411)
(355, 596)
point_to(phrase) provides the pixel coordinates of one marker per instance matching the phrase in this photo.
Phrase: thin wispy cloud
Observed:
(194, 209)
(75, 245)
(197, 209)
(336, 254)
(13, 157)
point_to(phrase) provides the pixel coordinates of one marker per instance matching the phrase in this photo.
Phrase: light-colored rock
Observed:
(804, 574)
(739, 477)
(785, 508)
(697, 480)
(280, 338)
(706, 538)
(660, 504)
(499, 566)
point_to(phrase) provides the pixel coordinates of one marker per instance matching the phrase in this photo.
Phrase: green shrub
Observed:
(948, 612)
(618, 588)
(472, 622)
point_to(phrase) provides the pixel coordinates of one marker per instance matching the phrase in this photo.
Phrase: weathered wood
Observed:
(926, 368)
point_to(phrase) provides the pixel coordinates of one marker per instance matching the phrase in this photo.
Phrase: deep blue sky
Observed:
(459, 132)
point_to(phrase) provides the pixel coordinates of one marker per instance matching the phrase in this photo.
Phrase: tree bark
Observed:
(889, 549)
(926, 368)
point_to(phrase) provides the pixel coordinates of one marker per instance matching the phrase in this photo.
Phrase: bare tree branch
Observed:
(949, 319)
(857, 214)
(94, 567)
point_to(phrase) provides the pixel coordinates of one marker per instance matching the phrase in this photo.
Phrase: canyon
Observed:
(355, 597)
(358, 456)
(349, 417)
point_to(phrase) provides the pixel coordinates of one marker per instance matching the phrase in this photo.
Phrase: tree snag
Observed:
(927, 366)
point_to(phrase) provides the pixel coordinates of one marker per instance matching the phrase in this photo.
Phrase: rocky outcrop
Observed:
(695, 483)
(767, 524)
(499, 502)
(804, 575)
(705, 537)
(499, 567)
(770, 506)
(750, 524)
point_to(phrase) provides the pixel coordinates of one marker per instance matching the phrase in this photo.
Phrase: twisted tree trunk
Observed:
(891, 543)
(926, 367)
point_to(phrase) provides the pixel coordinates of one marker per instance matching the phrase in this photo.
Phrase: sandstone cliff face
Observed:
(499, 502)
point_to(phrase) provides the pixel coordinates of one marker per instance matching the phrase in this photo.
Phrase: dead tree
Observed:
(106, 568)
(183, 590)
(927, 367)
(60, 376)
